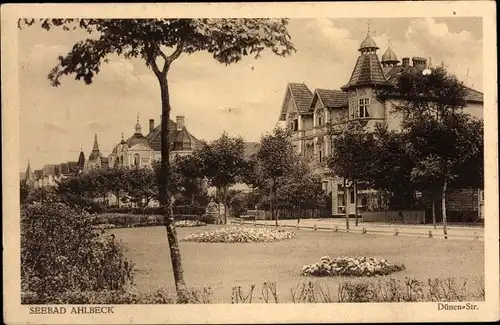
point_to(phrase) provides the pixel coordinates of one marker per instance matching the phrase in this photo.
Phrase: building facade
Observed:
(309, 113)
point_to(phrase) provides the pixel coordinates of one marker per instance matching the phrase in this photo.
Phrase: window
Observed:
(352, 197)
(320, 121)
(363, 107)
(320, 156)
(295, 125)
(137, 159)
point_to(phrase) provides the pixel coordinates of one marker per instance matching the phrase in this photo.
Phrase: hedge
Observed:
(178, 210)
(121, 220)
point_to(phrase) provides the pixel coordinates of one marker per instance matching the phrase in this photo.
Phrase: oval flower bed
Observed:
(189, 223)
(240, 235)
(349, 266)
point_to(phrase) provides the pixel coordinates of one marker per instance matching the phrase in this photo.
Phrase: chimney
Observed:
(419, 62)
(151, 125)
(180, 122)
(406, 62)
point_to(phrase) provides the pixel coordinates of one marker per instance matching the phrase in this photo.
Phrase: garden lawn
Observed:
(222, 266)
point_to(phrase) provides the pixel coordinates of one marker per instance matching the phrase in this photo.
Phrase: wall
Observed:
(307, 122)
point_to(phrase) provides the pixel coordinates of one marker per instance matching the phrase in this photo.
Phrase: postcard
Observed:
(250, 162)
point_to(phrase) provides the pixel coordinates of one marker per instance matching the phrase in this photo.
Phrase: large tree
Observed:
(223, 162)
(227, 40)
(441, 137)
(276, 157)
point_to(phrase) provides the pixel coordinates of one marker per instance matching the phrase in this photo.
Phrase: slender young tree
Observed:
(158, 43)
(222, 164)
(352, 158)
(276, 157)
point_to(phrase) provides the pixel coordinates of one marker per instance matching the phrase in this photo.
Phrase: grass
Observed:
(222, 266)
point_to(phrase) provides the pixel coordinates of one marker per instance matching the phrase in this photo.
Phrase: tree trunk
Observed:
(226, 188)
(434, 213)
(345, 206)
(118, 198)
(165, 195)
(298, 220)
(443, 207)
(356, 202)
(275, 195)
(271, 200)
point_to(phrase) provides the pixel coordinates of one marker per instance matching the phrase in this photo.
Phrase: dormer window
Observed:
(320, 120)
(363, 107)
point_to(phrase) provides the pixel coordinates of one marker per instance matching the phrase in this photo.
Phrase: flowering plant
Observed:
(349, 266)
(240, 235)
(189, 223)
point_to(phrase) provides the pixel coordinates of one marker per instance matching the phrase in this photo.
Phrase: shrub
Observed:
(189, 209)
(240, 235)
(61, 252)
(128, 220)
(348, 266)
(208, 219)
(118, 297)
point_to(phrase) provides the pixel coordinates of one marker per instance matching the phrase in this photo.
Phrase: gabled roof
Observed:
(48, 170)
(332, 98)
(474, 95)
(64, 168)
(72, 166)
(367, 72)
(300, 95)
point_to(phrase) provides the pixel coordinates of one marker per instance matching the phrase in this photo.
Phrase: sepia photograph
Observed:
(201, 158)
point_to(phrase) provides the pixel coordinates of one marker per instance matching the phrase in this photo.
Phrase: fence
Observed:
(408, 217)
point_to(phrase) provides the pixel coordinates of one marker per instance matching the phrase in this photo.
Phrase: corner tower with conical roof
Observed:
(366, 80)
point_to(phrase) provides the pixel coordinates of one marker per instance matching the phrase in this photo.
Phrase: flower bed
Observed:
(189, 223)
(104, 226)
(240, 235)
(349, 266)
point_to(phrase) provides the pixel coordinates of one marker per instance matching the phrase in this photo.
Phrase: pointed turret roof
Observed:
(368, 44)
(28, 170)
(81, 159)
(367, 72)
(96, 144)
(95, 150)
(138, 129)
(389, 56)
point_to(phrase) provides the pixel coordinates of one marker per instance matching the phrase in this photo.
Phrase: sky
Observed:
(242, 99)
